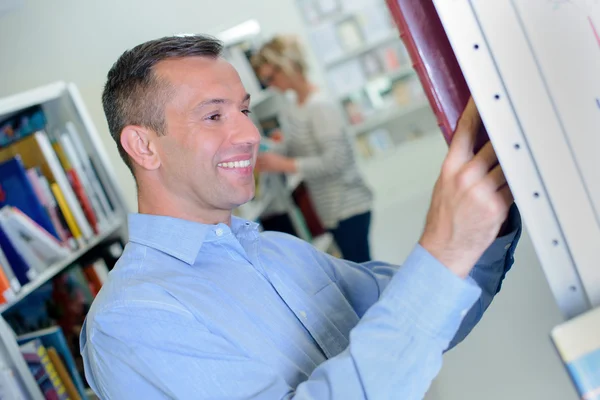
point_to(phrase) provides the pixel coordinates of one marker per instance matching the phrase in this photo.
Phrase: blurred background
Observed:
(354, 54)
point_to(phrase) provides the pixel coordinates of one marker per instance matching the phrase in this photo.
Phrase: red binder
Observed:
(434, 61)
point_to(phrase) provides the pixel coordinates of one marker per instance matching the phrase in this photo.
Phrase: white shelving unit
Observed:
(61, 103)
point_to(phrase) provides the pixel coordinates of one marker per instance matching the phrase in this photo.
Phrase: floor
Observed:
(509, 354)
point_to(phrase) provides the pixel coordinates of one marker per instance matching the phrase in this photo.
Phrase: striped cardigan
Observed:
(315, 136)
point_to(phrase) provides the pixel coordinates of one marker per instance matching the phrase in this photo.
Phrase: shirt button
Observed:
(303, 314)
(507, 246)
(219, 232)
(463, 313)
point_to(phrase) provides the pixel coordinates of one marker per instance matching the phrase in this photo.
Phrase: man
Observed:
(203, 306)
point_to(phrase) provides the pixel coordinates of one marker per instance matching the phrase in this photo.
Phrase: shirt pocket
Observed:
(336, 308)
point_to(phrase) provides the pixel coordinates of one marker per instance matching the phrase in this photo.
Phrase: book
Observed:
(61, 303)
(47, 378)
(21, 244)
(8, 271)
(434, 62)
(578, 344)
(72, 243)
(49, 203)
(37, 238)
(63, 374)
(21, 269)
(77, 165)
(66, 212)
(16, 190)
(21, 125)
(81, 157)
(77, 186)
(54, 338)
(7, 294)
(36, 151)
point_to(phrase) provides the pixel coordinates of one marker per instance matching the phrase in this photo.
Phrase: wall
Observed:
(78, 41)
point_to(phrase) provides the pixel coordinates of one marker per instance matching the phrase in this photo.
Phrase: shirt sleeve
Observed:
(328, 130)
(362, 284)
(395, 350)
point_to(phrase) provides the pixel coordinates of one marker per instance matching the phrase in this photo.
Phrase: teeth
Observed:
(235, 164)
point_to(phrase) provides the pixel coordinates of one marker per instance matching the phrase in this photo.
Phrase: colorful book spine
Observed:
(16, 190)
(66, 211)
(48, 203)
(38, 239)
(54, 337)
(21, 269)
(8, 271)
(77, 165)
(21, 244)
(37, 359)
(63, 374)
(77, 186)
(89, 169)
(62, 181)
(45, 185)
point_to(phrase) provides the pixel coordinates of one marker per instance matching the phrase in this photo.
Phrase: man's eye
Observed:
(247, 112)
(215, 117)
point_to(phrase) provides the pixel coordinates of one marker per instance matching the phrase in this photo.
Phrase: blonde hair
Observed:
(282, 51)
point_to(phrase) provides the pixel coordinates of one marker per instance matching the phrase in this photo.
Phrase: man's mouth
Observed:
(235, 164)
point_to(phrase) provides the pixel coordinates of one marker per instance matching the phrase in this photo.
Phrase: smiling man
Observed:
(202, 305)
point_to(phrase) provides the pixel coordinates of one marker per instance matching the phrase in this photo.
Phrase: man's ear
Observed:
(140, 144)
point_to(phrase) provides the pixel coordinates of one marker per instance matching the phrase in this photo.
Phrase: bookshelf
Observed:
(86, 171)
(367, 69)
(58, 267)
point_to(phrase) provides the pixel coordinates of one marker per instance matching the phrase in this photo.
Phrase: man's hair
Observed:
(134, 95)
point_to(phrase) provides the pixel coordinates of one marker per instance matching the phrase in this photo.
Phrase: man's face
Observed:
(209, 150)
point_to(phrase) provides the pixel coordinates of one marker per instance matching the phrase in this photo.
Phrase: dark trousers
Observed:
(352, 237)
(279, 223)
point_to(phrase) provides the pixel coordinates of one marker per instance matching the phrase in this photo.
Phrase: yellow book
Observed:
(63, 374)
(64, 161)
(64, 208)
(36, 151)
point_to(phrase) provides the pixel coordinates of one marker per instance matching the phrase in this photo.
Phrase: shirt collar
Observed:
(177, 237)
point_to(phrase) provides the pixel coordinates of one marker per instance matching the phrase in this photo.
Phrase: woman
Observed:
(316, 145)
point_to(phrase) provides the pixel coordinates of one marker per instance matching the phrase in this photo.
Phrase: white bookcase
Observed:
(61, 103)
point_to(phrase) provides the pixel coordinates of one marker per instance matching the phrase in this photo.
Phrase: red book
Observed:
(86, 206)
(434, 61)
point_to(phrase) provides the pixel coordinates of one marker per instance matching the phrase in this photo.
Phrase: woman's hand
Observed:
(272, 162)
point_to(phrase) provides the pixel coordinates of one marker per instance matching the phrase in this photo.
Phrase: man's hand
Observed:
(272, 162)
(470, 200)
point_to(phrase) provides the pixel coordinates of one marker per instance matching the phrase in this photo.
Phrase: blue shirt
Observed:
(196, 311)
